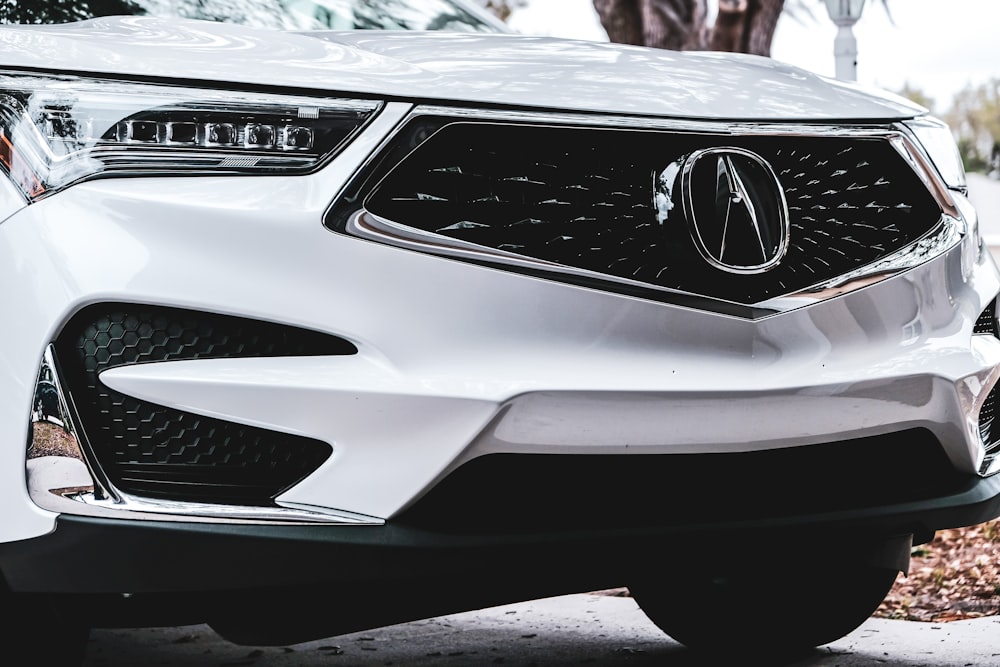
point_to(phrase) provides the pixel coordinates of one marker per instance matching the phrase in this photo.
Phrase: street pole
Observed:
(845, 13)
(845, 54)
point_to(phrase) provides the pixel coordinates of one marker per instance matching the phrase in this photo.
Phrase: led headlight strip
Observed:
(59, 130)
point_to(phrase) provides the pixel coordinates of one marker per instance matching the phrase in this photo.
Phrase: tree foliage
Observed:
(975, 118)
(63, 11)
(915, 94)
(502, 8)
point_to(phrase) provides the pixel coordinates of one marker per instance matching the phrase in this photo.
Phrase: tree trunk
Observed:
(622, 20)
(665, 24)
(727, 33)
(762, 20)
(745, 26)
(674, 24)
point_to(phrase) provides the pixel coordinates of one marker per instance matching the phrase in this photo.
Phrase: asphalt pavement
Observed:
(585, 629)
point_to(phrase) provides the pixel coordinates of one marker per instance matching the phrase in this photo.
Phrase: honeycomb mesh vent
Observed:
(151, 450)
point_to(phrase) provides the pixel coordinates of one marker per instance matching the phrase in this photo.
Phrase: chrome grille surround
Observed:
(988, 325)
(941, 228)
(988, 433)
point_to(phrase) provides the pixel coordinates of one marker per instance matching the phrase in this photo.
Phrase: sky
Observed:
(936, 46)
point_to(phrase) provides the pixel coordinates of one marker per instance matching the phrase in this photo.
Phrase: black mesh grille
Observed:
(583, 198)
(151, 450)
(987, 322)
(541, 492)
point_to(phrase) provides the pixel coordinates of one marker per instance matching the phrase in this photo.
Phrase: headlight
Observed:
(937, 140)
(58, 130)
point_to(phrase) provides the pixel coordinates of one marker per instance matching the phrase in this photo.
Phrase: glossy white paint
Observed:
(395, 432)
(391, 433)
(503, 69)
(457, 360)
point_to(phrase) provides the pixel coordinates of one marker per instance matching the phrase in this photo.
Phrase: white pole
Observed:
(845, 13)
(845, 53)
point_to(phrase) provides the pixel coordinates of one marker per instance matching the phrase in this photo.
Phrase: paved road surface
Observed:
(571, 630)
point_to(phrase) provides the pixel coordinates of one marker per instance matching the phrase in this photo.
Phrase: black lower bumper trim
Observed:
(88, 555)
(503, 493)
(248, 580)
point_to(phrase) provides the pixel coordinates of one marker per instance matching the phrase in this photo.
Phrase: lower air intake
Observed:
(530, 493)
(150, 450)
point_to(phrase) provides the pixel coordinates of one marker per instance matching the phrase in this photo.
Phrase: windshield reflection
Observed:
(276, 14)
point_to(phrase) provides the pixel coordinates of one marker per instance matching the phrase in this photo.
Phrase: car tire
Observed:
(41, 631)
(778, 612)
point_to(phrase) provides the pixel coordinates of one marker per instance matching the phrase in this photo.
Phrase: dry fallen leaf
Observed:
(954, 577)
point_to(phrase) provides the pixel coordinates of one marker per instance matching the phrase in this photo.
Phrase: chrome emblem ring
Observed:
(736, 209)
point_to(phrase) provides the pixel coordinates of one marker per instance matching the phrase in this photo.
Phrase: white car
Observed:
(410, 322)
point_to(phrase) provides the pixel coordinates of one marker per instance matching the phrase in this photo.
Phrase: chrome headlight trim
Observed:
(936, 140)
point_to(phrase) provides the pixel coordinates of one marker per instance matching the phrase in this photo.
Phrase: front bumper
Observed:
(457, 361)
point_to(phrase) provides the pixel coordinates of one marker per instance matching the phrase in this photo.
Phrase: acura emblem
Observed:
(736, 209)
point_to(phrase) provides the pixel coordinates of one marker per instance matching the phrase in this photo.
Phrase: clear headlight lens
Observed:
(937, 140)
(58, 130)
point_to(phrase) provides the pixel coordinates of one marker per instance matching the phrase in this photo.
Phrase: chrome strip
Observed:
(241, 513)
(942, 237)
(55, 428)
(376, 228)
(63, 474)
(653, 123)
(950, 232)
(924, 168)
(73, 500)
(993, 468)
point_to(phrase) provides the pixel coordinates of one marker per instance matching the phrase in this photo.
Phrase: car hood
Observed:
(524, 71)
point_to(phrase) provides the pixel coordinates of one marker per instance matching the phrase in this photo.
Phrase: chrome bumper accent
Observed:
(64, 476)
